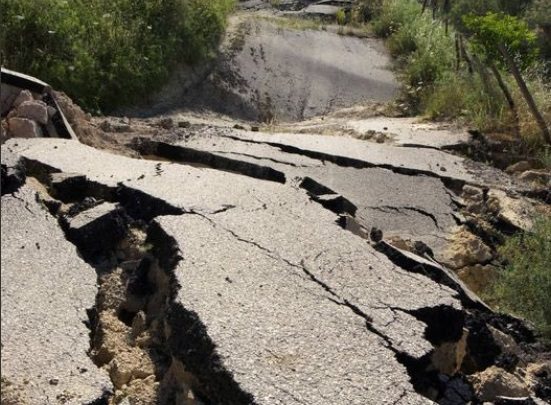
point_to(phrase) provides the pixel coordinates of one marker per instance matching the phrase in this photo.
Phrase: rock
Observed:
(166, 123)
(536, 176)
(240, 127)
(24, 96)
(376, 235)
(255, 128)
(34, 110)
(51, 111)
(23, 128)
(467, 249)
(448, 357)
(129, 365)
(380, 138)
(516, 212)
(518, 167)
(109, 126)
(473, 193)
(184, 124)
(505, 342)
(495, 382)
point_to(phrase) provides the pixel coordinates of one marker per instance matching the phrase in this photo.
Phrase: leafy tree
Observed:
(507, 41)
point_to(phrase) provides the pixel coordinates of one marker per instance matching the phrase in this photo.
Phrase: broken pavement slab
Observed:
(357, 153)
(46, 292)
(283, 251)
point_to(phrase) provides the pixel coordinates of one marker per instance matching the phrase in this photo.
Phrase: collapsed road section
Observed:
(242, 290)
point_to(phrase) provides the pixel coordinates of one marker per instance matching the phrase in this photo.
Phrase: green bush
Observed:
(108, 53)
(421, 46)
(524, 287)
(459, 95)
(341, 17)
(395, 14)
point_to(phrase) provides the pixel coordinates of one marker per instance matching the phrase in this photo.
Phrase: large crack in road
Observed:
(337, 308)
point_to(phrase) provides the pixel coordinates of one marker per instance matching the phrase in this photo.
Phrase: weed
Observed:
(524, 286)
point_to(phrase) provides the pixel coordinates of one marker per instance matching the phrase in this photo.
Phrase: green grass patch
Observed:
(108, 53)
(524, 286)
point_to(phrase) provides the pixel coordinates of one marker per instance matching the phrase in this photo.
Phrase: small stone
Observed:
(54, 381)
(184, 124)
(25, 95)
(240, 127)
(255, 128)
(106, 126)
(23, 128)
(518, 167)
(34, 110)
(380, 138)
(166, 123)
(376, 235)
(443, 169)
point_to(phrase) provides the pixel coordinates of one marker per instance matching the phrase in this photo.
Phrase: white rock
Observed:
(23, 128)
(35, 110)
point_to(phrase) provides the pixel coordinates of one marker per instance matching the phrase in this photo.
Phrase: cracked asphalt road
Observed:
(297, 309)
(46, 290)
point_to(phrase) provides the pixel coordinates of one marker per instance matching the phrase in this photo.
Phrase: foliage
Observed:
(420, 45)
(341, 17)
(464, 97)
(107, 53)
(366, 10)
(435, 86)
(539, 13)
(460, 8)
(492, 30)
(393, 15)
(524, 286)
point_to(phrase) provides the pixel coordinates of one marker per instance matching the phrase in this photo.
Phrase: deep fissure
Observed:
(136, 275)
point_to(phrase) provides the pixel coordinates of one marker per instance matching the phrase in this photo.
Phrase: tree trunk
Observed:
(425, 2)
(457, 53)
(526, 93)
(465, 54)
(508, 96)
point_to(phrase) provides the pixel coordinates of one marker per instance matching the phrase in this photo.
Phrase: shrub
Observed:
(341, 17)
(524, 286)
(395, 14)
(107, 53)
(465, 97)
